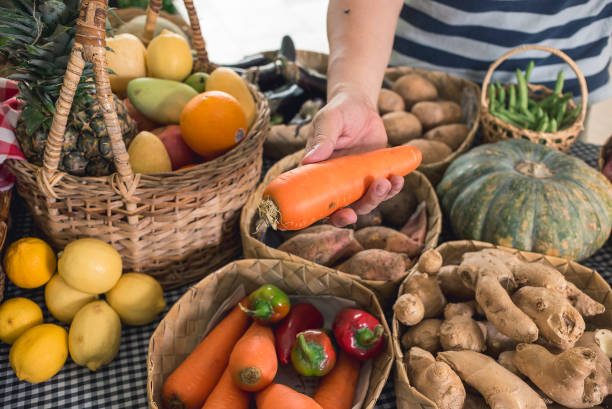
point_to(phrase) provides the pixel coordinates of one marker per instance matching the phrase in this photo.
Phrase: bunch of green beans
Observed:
(514, 105)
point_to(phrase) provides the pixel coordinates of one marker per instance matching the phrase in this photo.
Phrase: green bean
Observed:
(512, 98)
(518, 117)
(561, 112)
(543, 125)
(501, 94)
(552, 125)
(539, 112)
(569, 118)
(559, 83)
(509, 120)
(491, 98)
(528, 70)
(522, 89)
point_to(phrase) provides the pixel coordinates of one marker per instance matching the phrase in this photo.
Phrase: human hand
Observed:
(349, 123)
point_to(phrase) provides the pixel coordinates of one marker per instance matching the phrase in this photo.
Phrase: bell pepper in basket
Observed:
(302, 316)
(267, 305)
(313, 353)
(358, 333)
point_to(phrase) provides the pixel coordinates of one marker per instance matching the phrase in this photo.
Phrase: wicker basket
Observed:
(451, 88)
(584, 278)
(175, 226)
(494, 129)
(310, 59)
(186, 323)
(254, 247)
(604, 153)
(118, 16)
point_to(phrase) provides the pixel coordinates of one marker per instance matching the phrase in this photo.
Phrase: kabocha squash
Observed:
(528, 196)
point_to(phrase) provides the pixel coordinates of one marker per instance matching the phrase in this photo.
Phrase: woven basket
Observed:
(310, 59)
(494, 129)
(254, 247)
(119, 16)
(604, 153)
(451, 88)
(584, 278)
(185, 324)
(175, 226)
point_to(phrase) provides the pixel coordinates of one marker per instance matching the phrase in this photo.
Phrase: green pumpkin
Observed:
(530, 197)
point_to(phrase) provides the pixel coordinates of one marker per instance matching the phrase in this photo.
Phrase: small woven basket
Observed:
(452, 88)
(407, 397)
(185, 324)
(604, 153)
(175, 226)
(254, 247)
(494, 129)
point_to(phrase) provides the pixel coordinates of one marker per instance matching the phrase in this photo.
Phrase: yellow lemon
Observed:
(94, 336)
(90, 265)
(64, 301)
(137, 298)
(127, 60)
(16, 316)
(169, 57)
(39, 353)
(29, 262)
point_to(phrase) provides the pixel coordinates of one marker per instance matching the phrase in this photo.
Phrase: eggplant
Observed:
(249, 61)
(286, 100)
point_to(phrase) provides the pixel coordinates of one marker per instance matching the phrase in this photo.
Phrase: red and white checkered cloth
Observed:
(10, 110)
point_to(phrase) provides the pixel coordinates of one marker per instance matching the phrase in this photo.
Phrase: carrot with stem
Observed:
(227, 395)
(278, 396)
(337, 389)
(304, 195)
(253, 362)
(191, 382)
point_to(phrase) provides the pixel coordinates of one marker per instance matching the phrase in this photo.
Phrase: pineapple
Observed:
(37, 37)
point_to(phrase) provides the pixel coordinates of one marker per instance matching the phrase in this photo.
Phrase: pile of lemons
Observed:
(86, 269)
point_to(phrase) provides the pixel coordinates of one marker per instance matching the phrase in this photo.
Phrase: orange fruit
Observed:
(212, 123)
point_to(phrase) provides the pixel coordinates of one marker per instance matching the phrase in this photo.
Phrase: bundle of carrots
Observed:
(238, 360)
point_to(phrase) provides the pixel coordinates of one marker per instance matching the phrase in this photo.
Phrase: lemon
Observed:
(137, 298)
(169, 57)
(16, 316)
(90, 265)
(94, 336)
(39, 353)
(29, 262)
(64, 301)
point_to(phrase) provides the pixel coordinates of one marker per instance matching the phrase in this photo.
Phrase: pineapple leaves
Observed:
(33, 119)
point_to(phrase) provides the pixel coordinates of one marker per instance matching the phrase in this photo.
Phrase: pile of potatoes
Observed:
(380, 246)
(510, 330)
(413, 114)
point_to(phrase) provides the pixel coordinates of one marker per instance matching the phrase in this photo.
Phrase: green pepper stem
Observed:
(307, 350)
(263, 310)
(366, 337)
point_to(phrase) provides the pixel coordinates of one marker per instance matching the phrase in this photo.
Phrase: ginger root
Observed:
(461, 332)
(452, 285)
(424, 290)
(602, 338)
(409, 309)
(461, 308)
(497, 343)
(430, 262)
(425, 335)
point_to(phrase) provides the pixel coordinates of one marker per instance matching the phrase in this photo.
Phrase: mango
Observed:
(127, 60)
(148, 154)
(169, 57)
(197, 81)
(161, 101)
(226, 80)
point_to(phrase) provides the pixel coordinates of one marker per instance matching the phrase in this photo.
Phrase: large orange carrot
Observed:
(309, 193)
(277, 396)
(227, 395)
(253, 363)
(189, 385)
(337, 389)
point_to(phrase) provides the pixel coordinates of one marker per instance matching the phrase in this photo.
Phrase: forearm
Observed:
(360, 35)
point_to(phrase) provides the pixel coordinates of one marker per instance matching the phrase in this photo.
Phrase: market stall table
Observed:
(122, 383)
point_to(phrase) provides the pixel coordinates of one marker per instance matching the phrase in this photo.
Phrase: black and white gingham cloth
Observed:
(122, 383)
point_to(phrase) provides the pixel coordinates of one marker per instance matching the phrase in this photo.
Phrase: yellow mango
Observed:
(169, 57)
(127, 59)
(226, 80)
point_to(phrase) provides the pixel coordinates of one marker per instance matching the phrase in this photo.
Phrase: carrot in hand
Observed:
(304, 195)
(189, 385)
(337, 389)
(253, 362)
(277, 396)
(227, 395)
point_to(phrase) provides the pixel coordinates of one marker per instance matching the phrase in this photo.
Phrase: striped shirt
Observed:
(463, 37)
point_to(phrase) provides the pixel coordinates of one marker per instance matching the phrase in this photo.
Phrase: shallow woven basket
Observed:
(310, 59)
(184, 325)
(175, 226)
(254, 247)
(451, 88)
(407, 397)
(494, 129)
(604, 153)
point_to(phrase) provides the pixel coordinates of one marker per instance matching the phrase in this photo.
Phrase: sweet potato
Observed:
(414, 88)
(385, 238)
(397, 210)
(389, 101)
(416, 226)
(374, 218)
(433, 151)
(283, 140)
(376, 264)
(452, 135)
(435, 113)
(324, 244)
(401, 127)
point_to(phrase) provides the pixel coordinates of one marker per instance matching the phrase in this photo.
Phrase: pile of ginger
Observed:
(515, 332)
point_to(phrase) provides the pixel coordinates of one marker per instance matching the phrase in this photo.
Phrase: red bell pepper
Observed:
(267, 304)
(358, 333)
(301, 317)
(313, 353)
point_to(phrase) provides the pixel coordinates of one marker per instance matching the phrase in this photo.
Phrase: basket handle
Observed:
(89, 45)
(558, 53)
(153, 9)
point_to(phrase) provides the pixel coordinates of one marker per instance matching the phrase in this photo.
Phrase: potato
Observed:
(376, 264)
(385, 238)
(436, 113)
(389, 101)
(433, 151)
(414, 88)
(397, 210)
(452, 134)
(401, 127)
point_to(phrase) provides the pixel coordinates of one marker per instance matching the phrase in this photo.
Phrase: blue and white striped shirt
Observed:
(463, 37)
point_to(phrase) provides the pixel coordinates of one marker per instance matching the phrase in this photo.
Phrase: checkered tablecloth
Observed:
(122, 383)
